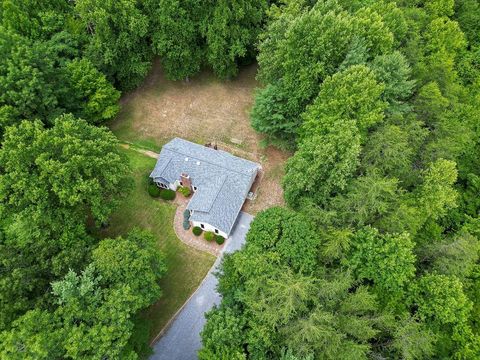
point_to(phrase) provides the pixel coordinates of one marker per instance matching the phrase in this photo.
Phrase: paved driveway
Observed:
(182, 339)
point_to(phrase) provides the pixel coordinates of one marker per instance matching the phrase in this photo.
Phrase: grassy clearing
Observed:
(186, 266)
(202, 110)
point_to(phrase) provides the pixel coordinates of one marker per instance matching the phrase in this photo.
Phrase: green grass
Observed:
(122, 127)
(186, 266)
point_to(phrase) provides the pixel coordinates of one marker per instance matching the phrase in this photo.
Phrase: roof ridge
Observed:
(222, 167)
(218, 192)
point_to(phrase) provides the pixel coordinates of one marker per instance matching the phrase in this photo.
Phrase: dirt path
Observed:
(148, 153)
(202, 110)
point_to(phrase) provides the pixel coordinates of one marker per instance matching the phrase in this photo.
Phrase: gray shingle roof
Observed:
(222, 180)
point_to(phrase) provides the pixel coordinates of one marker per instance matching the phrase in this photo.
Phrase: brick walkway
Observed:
(187, 236)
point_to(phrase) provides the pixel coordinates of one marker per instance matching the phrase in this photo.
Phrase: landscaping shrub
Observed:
(153, 190)
(219, 239)
(197, 231)
(186, 214)
(167, 194)
(186, 224)
(209, 236)
(184, 191)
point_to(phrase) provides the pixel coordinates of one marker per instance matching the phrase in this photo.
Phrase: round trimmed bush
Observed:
(219, 239)
(184, 191)
(186, 224)
(197, 231)
(167, 194)
(154, 190)
(186, 214)
(209, 236)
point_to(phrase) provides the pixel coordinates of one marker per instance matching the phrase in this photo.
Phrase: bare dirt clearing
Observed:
(202, 110)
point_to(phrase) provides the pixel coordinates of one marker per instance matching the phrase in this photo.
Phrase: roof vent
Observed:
(186, 159)
(198, 162)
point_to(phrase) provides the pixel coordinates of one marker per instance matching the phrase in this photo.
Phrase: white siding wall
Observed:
(208, 227)
(175, 185)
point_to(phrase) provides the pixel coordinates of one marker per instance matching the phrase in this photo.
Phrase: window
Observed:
(216, 231)
(202, 226)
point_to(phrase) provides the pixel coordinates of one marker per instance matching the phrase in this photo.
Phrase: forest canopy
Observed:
(380, 102)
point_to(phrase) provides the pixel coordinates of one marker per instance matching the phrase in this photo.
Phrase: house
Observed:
(220, 182)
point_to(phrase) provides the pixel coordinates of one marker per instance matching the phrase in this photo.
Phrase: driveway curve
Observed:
(181, 341)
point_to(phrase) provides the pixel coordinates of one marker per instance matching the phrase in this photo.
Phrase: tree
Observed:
(33, 19)
(289, 234)
(394, 18)
(230, 29)
(444, 34)
(317, 42)
(441, 300)
(340, 325)
(438, 8)
(27, 77)
(36, 335)
(467, 16)
(322, 165)
(430, 104)
(142, 264)
(394, 72)
(443, 304)
(391, 150)
(385, 259)
(222, 335)
(436, 195)
(49, 187)
(430, 201)
(90, 96)
(118, 43)
(413, 340)
(269, 114)
(367, 199)
(370, 26)
(457, 255)
(64, 167)
(176, 37)
(93, 314)
(349, 95)
(443, 40)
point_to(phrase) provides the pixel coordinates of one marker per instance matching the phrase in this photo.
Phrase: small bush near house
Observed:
(167, 194)
(153, 190)
(186, 224)
(197, 231)
(186, 214)
(184, 191)
(219, 239)
(209, 236)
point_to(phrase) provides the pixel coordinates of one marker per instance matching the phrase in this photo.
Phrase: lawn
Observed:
(202, 110)
(186, 266)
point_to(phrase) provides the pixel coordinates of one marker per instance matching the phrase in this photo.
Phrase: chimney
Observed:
(185, 179)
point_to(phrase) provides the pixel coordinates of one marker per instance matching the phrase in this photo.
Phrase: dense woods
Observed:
(376, 254)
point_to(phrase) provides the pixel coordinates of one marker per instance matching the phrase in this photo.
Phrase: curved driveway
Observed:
(181, 341)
